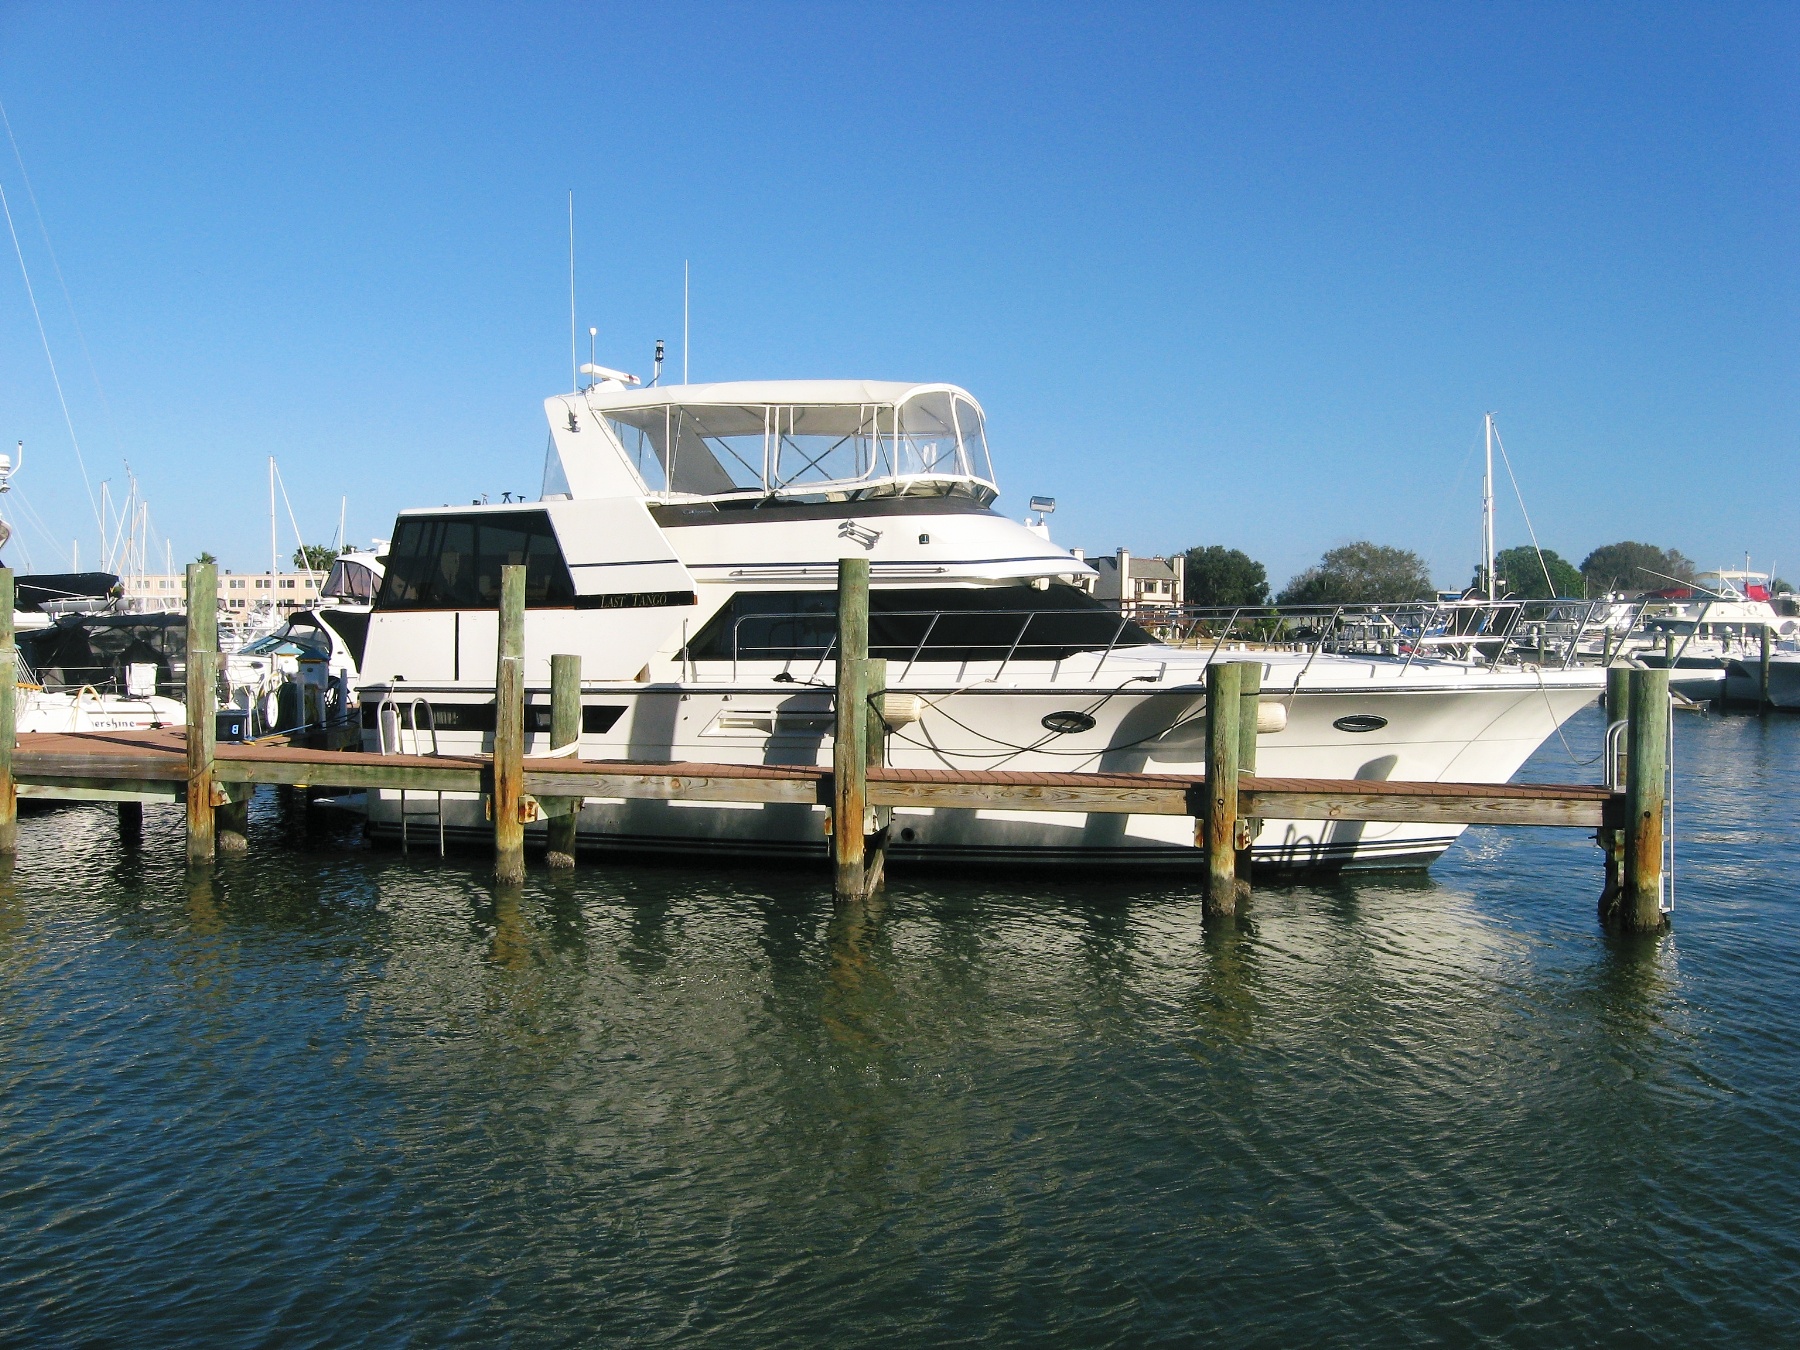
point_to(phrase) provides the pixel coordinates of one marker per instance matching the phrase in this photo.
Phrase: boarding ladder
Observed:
(414, 802)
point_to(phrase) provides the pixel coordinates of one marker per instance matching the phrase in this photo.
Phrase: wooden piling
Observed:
(849, 753)
(1223, 704)
(1610, 839)
(565, 729)
(508, 800)
(9, 719)
(202, 689)
(1763, 703)
(1646, 765)
(1250, 695)
(875, 846)
(131, 823)
(1618, 694)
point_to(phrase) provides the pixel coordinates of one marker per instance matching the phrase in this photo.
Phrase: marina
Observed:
(1056, 676)
(1227, 806)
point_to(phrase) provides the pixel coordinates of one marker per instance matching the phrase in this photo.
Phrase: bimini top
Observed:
(834, 440)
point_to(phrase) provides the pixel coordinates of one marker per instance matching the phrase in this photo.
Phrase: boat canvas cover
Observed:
(81, 650)
(34, 589)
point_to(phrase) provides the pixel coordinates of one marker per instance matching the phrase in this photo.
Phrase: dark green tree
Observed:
(206, 558)
(314, 558)
(1522, 575)
(1631, 566)
(1216, 575)
(1361, 573)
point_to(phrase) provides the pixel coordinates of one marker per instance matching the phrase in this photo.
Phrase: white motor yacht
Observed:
(1698, 631)
(685, 546)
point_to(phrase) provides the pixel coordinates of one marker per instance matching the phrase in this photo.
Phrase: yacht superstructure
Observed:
(685, 545)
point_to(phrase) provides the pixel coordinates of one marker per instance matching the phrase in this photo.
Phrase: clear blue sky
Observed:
(1240, 274)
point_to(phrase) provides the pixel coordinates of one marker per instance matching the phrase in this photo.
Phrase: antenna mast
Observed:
(574, 374)
(1487, 510)
(684, 320)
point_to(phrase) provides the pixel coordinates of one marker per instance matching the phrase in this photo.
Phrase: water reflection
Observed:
(653, 1103)
(856, 987)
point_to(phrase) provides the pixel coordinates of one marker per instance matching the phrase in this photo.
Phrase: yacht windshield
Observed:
(350, 580)
(805, 449)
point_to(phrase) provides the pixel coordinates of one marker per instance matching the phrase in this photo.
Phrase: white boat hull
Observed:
(1743, 680)
(87, 711)
(1427, 736)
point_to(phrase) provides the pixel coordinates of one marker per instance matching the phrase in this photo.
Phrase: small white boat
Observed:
(87, 709)
(321, 646)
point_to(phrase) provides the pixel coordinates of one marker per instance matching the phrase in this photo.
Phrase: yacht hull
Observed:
(1743, 680)
(1479, 733)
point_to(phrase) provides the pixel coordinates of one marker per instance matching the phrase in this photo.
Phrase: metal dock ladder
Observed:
(414, 802)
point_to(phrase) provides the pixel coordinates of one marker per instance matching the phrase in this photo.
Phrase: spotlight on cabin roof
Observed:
(1043, 505)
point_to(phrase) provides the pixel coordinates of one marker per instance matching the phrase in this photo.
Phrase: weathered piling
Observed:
(1219, 831)
(1646, 766)
(565, 730)
(1250, 703)
(1612, 838)
(202, 726)
(508, 800)
(875, 846)
(231, 820)
(850, 751)
(9, 719)
(1763, 702)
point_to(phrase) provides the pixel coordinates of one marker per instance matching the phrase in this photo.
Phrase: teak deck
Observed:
(153, 765)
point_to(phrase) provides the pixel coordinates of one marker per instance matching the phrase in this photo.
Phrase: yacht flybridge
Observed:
(685, 545)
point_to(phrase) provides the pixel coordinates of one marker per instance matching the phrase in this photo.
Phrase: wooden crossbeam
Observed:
(124, 763)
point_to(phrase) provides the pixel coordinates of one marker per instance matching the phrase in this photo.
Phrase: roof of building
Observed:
(1141, 568)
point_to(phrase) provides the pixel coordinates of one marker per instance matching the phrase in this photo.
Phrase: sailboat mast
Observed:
(1487, 511)
(274, 548)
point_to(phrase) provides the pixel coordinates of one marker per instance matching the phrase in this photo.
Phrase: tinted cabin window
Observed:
(938, 625)
(454, 562)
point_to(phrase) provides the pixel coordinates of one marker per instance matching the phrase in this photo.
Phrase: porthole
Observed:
(1360, 722)
(1066, 723)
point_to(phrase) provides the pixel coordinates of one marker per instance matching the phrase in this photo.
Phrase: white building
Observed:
(237, 590)
(1136, 584)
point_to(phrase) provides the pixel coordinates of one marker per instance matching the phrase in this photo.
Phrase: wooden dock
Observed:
(150, 766)
(216, 780)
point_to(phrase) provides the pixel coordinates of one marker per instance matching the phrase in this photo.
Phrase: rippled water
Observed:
(332, 1095)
